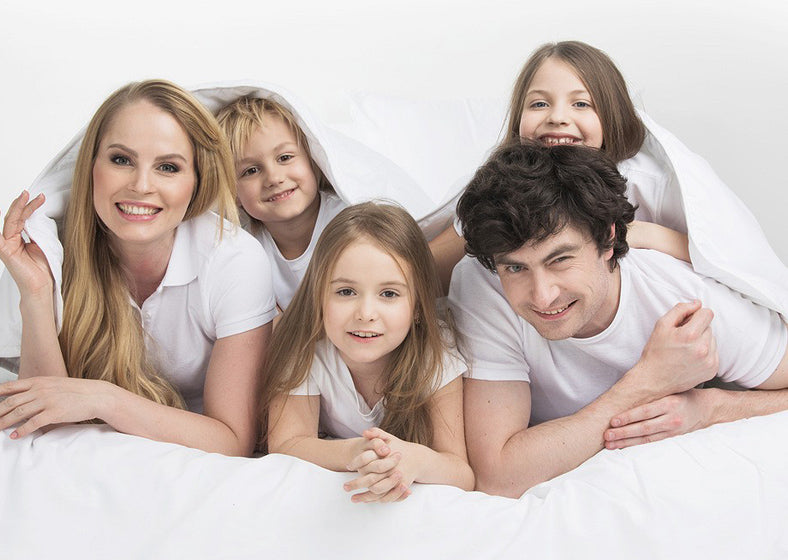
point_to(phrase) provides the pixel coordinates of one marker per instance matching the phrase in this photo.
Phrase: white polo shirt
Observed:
(566, 375)
(288, 274)
(212, 289)
(343, 411)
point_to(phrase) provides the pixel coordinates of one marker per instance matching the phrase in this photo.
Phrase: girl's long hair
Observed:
(622, 130)
(102, 337)
(239, 120)
(415, 367)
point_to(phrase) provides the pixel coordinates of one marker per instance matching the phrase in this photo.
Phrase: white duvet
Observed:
(87, 492)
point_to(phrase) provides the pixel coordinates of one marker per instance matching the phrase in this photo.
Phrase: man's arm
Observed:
(698, 408)
(508, 457)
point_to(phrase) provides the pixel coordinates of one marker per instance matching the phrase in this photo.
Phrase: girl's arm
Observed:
(445, 463)
(292, 430)
(40, 349)
(647, 235)
(228, 426)
(447, 250)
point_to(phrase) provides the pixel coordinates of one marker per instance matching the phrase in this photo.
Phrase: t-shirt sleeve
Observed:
(491, 333)
(240, 287)
(751, 339)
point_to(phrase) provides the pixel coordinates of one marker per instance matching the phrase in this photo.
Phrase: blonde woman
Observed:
(167, 306)
(360, 356)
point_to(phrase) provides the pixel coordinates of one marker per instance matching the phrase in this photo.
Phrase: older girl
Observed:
(167, 306)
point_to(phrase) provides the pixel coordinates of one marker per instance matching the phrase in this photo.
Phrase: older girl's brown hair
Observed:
(622, 130)
(415, 366)
(102, 337)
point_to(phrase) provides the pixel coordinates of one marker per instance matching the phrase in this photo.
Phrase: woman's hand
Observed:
(387, 468)
(42, 401)
(25, 261)
(666, 417)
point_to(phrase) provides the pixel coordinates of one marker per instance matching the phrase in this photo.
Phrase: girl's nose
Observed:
(558, 114)
(366, 310)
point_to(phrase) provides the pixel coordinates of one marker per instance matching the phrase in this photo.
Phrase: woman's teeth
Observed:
(138, 210)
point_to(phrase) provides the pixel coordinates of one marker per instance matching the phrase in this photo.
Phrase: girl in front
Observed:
(282, 191)
(361, 356)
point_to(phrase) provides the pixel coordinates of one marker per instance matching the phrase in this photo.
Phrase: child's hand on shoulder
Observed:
(383, 472)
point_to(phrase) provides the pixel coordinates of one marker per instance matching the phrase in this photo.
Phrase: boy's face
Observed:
(562, 286)
(276, 184)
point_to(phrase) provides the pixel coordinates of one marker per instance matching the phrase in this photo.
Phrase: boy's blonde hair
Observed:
(239, 120)
(622, 130)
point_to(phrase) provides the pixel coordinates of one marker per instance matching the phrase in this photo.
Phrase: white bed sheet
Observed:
(88, 492)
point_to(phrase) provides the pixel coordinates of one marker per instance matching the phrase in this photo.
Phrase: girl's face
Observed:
(276, 183)
(368, 310)
(143, 176)
(558, 108)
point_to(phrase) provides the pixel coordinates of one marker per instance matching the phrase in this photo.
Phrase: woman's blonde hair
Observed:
(415, 367)
(239, 120)
(102, 337)
(622, 130)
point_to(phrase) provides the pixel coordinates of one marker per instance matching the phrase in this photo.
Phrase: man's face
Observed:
(562, 285)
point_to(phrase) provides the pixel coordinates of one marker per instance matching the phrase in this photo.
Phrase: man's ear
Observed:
(609, 253)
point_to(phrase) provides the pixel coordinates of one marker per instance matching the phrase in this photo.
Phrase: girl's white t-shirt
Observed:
(343, 411)
(288, 274)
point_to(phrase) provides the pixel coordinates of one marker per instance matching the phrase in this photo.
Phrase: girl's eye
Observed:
(120, 160)
(538, 105)
(249, 171)
(582, 104)
(389, 294)
(345, 292)
(168, 168)
(284, 158)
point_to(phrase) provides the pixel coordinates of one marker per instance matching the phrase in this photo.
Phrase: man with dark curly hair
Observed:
(577, 342)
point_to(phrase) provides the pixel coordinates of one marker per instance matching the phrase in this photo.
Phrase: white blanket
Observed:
(87, 492)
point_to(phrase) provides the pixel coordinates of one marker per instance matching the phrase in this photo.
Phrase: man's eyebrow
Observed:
(507, 259)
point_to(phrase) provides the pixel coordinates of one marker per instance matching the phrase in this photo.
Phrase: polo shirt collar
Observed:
(186, 258)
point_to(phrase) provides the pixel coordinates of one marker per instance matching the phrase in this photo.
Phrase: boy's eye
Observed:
(345, 292)
(389, 294)
(168, 168)
(284, 158)
(249, 171)
(120, 160)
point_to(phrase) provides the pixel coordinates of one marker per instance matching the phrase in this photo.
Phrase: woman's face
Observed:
(143, 177)
(558, 108)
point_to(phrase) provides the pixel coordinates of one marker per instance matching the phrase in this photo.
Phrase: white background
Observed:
(712, 72)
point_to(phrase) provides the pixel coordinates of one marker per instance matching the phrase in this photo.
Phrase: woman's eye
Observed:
(168, 168)
(120, 160)
(389, 294)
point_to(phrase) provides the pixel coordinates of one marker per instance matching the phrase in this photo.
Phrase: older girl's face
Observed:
(558, 108)
(143, 177)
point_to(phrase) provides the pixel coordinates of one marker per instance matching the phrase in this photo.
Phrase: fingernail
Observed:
(616, 422)
(384, 449)
(14, 434)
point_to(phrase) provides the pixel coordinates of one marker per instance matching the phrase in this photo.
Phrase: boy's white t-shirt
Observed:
(566, 375)
(288, 274)
(343, 411)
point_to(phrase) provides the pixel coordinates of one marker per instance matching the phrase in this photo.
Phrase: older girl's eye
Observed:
(538, 105)
(284, 158)
(345, 292)
(583, 105)
(389, 294)
(120, 160)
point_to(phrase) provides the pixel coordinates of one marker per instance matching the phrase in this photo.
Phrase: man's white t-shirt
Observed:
(566, 375)
(211, 289)
(288, 274)
(343, 411)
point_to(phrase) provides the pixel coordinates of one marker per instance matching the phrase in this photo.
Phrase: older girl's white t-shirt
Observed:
(343, 411)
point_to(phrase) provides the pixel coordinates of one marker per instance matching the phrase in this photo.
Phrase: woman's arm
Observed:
(228, 426)
(646, 235)
(40, 350)
(445, 463)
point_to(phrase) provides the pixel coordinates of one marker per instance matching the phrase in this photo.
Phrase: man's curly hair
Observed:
(527, 192)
